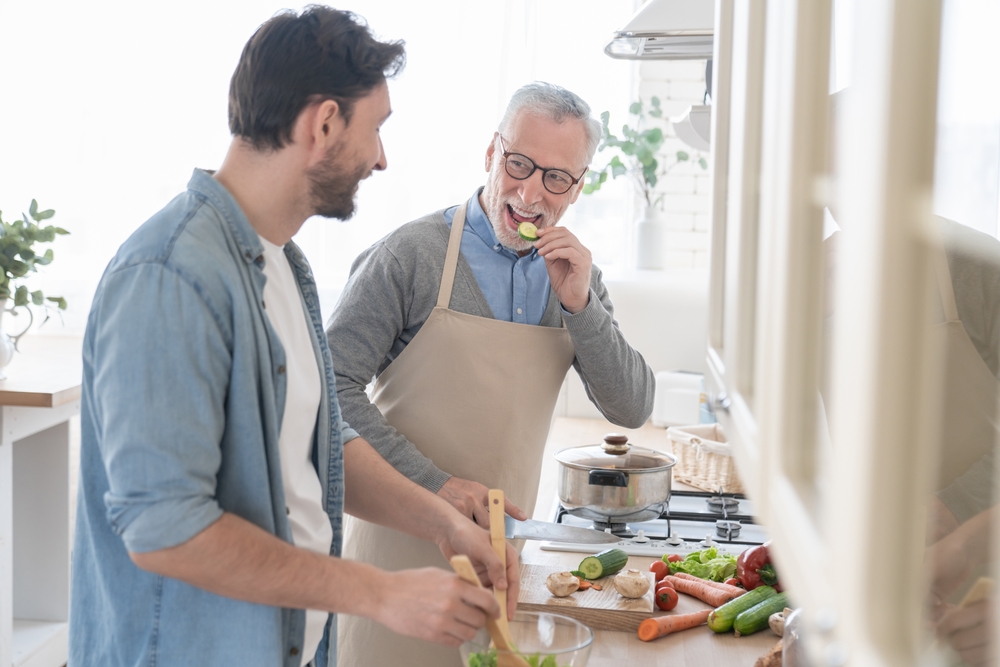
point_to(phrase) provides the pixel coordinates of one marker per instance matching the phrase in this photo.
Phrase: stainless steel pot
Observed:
(614, 482)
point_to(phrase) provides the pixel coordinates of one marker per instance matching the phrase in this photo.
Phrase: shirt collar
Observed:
(478, 221)
(245, 235)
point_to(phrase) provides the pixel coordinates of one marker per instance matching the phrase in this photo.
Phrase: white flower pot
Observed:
(8, 344)
(649, 233)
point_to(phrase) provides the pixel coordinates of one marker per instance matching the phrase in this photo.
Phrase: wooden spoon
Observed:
(508, 656)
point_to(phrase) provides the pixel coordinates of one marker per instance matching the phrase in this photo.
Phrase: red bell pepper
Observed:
(754, 568)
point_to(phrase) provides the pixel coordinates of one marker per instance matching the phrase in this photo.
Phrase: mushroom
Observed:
(562, 584)
(632, 583)
(777, 621)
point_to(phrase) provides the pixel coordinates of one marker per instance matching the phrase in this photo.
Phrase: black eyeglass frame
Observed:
(534, 167)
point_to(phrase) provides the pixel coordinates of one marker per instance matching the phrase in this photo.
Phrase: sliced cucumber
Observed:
(721, 620)
(755, 618)
(528, 231)
(603, 564)
(577, 573)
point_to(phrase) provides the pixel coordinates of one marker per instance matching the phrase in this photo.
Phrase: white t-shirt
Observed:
(309, 522)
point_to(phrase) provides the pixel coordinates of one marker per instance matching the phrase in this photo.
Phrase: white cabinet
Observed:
(833, 495)
(37, 401)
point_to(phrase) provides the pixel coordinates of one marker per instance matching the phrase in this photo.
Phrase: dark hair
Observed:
(296, 60)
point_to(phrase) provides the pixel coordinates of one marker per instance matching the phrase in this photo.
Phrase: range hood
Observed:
(666, 30)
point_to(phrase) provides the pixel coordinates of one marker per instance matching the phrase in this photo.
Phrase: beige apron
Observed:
(476, 396)
(971, 393)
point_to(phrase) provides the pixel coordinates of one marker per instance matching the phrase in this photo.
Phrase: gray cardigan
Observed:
(391, 291)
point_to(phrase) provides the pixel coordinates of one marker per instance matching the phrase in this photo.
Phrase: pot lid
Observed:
(615, 453)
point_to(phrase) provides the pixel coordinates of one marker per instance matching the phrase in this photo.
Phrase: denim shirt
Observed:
(516, 288)
(182, 400)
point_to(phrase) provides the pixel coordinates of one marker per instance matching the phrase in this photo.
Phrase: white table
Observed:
(37, 401)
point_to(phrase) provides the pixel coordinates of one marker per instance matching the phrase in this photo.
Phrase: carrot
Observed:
(652, 628)
(584, 585)
(701, 590)
(597, 587)
(735, 590)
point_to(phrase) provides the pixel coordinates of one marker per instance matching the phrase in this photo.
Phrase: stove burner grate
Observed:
(722, 505)
(728, 530)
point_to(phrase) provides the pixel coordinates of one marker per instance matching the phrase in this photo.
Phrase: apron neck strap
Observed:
(946, 288)
(451, 258)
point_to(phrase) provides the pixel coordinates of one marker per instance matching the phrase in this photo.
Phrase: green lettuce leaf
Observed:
(706, 564)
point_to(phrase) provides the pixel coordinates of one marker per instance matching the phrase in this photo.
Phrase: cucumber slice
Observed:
(528, 231)
(577, 573)
(603, 564)
(755, 618)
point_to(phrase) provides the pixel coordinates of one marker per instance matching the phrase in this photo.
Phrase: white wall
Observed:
(685, 189)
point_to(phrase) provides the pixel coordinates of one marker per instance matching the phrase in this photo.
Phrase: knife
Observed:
(555, 532)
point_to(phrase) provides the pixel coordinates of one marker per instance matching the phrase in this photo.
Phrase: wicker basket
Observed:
(704, 458)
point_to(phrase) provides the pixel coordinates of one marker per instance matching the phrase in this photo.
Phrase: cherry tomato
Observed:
(673, 558)
(663, 584)
(734, 582)
(659, 569)
(666, 598)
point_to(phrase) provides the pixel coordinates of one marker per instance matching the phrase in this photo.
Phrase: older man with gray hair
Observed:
(469, 330)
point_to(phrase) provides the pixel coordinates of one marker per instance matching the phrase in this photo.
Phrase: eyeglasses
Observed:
(518, 166)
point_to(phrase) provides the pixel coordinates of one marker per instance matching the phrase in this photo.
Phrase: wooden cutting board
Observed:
(601, 610)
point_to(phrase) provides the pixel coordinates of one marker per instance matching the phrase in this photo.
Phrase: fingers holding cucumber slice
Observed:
(528, 231)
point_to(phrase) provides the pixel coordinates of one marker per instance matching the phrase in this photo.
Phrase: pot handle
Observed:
(608, 478)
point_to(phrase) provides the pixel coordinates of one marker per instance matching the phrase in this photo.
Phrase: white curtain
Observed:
(107, 106)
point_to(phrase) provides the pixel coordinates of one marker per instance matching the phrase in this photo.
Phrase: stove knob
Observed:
(708, 543)
(641, 537)
(674, 540)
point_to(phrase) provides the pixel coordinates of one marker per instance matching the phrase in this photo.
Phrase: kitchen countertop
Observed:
(46, 373)
(699, 647)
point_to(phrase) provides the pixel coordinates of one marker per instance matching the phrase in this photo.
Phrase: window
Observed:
(115, 102)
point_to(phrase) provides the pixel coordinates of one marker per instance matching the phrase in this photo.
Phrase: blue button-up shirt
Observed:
(183, 395)
(516, 288)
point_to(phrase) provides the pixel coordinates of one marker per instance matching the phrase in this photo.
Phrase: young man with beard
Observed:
(215, 465)
(470, 331)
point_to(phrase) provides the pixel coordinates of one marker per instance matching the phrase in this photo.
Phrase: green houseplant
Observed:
(18, 256)
(640, 145)
(642, 158)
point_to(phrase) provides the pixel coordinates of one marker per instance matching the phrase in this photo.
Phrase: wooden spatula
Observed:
(463, 568)
(499, 541)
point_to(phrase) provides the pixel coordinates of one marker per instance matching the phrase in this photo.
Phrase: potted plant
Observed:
(18, 259)
(640, 145)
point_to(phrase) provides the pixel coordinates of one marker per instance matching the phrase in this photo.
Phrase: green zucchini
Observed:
(755, 618)
(603, 564)
(721, 620)
(528, 231)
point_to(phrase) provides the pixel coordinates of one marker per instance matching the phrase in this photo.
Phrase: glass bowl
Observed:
(542, 639)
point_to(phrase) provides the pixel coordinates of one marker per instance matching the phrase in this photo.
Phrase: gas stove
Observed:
(689, 521)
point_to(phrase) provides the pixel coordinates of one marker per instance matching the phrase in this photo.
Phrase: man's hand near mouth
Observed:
(569, 265)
